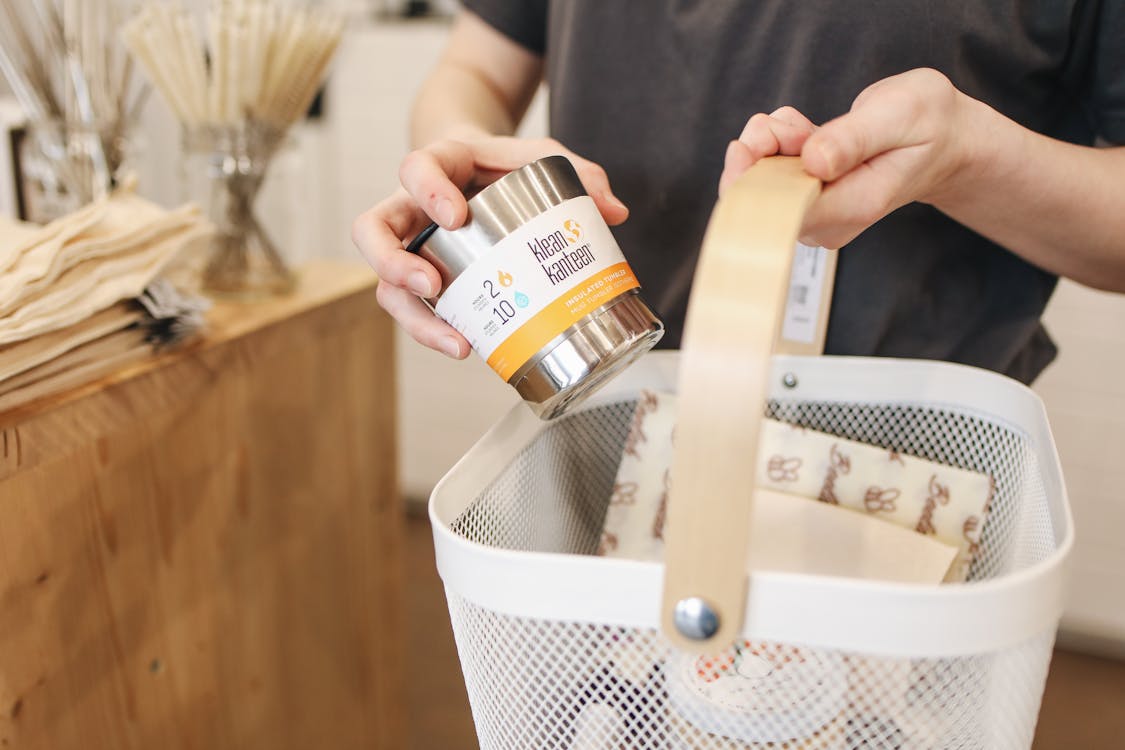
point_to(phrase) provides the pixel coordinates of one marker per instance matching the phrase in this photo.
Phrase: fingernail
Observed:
(444, 211)
(611, 199)
(828, 153)
(739, 157)
(419, 283)
(450, 346)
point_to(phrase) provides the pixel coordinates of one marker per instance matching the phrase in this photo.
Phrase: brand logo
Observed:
(557, 255)
(573, 230)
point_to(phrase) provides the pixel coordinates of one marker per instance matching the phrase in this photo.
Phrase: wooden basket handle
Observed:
(733, 319)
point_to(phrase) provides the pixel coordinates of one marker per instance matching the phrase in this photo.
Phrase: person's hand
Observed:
(433, 180)
(906, 138)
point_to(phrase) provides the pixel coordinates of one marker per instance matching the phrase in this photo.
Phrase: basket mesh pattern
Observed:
(576, 686)
(582, 686)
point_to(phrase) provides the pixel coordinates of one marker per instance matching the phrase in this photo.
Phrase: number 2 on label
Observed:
(491, 288)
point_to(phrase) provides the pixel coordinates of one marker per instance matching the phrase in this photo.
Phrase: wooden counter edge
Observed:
(54, 423)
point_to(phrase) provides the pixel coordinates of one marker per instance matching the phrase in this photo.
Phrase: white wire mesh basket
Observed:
(562, 649)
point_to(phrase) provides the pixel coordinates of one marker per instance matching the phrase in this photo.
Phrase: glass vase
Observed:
(65, 164)
(225, 169)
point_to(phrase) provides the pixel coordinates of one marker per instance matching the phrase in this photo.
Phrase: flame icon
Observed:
(504, 278)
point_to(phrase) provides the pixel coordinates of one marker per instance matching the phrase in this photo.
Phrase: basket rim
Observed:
(891, 619)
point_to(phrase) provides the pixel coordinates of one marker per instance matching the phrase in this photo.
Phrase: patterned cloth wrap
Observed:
(945, 502)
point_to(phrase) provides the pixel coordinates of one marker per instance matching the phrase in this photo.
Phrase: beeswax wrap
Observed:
(942, 502)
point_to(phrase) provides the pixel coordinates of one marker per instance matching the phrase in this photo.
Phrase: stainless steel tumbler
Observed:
(539, 287)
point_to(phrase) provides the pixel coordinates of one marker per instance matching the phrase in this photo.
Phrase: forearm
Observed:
(455, 102)
(482, 86)
(1058, 205)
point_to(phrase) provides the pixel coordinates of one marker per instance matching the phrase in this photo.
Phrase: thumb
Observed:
(847, 142)
(875, 124)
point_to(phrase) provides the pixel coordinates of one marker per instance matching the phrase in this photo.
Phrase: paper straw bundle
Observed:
(262, 60)
(237, 85)
(62, 61)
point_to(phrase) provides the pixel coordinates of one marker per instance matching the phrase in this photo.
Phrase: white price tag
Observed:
(806, 284)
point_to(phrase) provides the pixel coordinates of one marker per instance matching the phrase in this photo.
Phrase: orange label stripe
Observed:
(561, 314)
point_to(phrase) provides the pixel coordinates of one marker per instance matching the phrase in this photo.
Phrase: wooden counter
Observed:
(203, 550)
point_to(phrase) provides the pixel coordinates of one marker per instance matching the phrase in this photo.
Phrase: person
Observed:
(970, 151)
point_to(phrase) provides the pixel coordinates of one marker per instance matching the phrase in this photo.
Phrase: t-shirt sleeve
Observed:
(1108, 90)
(522, 21)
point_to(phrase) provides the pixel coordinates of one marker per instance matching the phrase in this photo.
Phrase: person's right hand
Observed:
(433, 180)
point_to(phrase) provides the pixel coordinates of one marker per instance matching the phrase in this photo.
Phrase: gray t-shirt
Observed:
(653, 90)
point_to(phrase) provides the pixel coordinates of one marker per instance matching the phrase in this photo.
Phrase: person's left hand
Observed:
(907, 138)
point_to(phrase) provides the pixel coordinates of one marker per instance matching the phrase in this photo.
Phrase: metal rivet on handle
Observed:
(695, 619)
(789, 380)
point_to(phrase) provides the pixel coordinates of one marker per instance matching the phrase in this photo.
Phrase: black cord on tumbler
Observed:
(416, 244)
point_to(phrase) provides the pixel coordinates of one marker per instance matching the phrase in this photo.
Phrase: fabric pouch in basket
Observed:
(882, 485)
